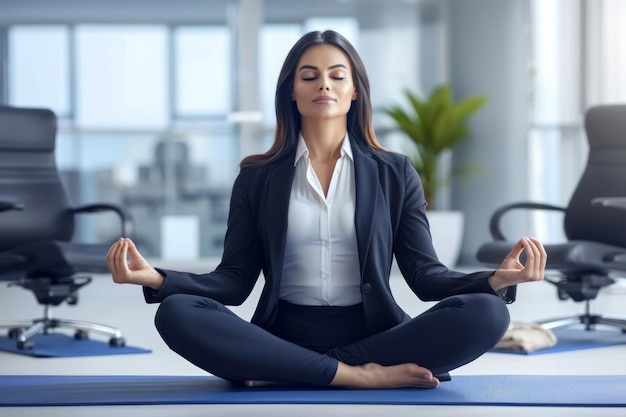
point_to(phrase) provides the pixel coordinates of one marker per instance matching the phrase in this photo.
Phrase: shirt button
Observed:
(325, 243)
(366, 288)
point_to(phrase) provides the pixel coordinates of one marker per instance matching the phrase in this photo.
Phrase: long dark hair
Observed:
(288, 121)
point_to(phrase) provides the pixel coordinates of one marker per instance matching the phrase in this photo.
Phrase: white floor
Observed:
(123, 306)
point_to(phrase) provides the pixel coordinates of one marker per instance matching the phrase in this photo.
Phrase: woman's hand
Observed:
(137, 271)
(512, 271)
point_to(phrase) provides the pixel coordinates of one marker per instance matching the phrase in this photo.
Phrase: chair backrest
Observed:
(604, 176)
(29, 176)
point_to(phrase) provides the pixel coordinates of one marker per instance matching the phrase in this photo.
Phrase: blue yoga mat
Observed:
(59, 345)
(501, 390)
(570, 339)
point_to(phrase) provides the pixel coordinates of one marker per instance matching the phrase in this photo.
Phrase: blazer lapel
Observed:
(366, 181)
(277, 201)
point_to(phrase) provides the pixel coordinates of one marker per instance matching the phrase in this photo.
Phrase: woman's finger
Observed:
(119, 266)
(534, 260)
(517, 249)
(531, 266)
(132, 249)
(112, 257)
(121, 261)
(543, 258)
(542, 251)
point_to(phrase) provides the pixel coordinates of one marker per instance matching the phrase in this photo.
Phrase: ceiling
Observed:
(188, 11)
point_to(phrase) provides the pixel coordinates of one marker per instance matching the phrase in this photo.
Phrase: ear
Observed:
(354, 95)
(293, 96)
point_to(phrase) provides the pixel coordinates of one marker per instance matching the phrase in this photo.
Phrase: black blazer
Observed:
(390, 220)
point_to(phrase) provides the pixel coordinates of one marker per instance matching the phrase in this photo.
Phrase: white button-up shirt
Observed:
(321, 265)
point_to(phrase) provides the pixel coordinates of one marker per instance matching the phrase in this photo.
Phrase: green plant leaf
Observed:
(467, 107)
(434, 124)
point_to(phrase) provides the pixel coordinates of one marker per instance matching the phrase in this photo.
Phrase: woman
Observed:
(322, 214)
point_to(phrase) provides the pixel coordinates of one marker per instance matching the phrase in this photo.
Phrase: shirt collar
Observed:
(301, 150)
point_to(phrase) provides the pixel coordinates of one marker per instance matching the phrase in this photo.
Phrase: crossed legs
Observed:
(452, 333)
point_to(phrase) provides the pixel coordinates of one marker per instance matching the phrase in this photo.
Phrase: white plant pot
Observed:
(446, 228)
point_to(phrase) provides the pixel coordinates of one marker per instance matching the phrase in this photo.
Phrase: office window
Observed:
(574, 66)
(556, 65)
(275, 42)
(38, 70)
(555, 128)
(607, 53)
(122, 76)
(203, 71)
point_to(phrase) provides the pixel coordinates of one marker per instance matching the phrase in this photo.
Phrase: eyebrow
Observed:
(312, 67)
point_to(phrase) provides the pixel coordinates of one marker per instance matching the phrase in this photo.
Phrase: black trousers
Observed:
(306, 343)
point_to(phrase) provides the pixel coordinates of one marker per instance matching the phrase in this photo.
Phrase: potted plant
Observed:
(434, 125)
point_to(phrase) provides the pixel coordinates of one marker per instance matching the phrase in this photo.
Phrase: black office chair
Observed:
(37, 226)
(594, 223)
(12, 263)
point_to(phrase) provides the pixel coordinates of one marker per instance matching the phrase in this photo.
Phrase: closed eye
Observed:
(313, 78)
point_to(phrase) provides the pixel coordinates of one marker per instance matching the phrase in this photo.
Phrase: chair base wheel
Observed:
(26, 345)
(14, 332)
(117, 342)
(81, 335)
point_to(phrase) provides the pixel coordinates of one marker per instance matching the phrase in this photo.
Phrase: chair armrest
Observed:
(494, 224)
(618, 202)
(7, 205)
(125, 218)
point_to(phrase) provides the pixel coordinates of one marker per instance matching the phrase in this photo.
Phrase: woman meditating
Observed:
(322, 214)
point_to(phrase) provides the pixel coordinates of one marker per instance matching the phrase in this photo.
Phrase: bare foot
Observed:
(372, 375)
(375, 376)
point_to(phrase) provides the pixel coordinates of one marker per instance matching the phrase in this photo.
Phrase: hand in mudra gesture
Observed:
(512, 271)
(135, 270)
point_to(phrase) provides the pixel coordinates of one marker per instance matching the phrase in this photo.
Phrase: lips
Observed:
(323, 99)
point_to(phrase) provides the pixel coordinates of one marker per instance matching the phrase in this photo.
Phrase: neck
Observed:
(323, 140)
